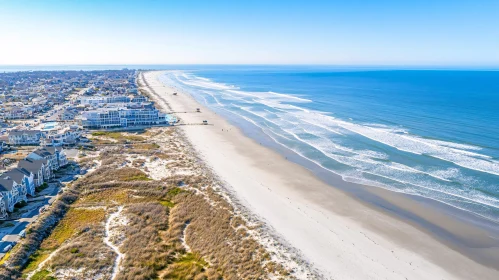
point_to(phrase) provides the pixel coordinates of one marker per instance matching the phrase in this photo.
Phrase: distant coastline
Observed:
(193, 67)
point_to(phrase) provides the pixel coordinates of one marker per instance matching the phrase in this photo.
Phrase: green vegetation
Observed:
(6, 257)
(119, 136)
(187, 267)
(75, 220)
(36, 258)
(42, 187)
(109, 196)
(146, 146)
(6, 224)
(162, 216)
(21, 204)
(109, 173)
(141, 177)
(174, 191)
(167, 203)
(42, 275)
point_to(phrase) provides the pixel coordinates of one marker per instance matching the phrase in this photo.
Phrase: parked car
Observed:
(7, 248)
(43, 209)
(22, 234)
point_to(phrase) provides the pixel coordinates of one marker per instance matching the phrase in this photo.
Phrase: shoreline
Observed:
(337, 233)
(459, 229)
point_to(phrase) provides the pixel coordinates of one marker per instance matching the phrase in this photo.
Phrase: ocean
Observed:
(427, 133)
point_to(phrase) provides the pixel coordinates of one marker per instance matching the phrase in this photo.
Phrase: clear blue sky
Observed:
(383, 32)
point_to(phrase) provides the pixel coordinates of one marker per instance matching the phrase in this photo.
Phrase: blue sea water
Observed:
(428, 133)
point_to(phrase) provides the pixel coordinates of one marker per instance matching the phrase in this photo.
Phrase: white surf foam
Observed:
(273, 113)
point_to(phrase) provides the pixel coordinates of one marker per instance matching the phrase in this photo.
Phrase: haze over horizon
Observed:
(447, 33)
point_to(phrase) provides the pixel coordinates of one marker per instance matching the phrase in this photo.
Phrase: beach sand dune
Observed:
(337, 234)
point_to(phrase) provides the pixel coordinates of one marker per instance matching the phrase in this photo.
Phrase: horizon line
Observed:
(491, 66)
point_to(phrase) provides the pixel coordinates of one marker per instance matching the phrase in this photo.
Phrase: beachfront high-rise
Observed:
(123, 115)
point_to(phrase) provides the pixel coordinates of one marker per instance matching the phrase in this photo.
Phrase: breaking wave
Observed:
(373, 154)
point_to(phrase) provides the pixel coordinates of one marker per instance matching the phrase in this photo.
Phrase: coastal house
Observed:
(25, 137)
(23, 178)
(42, 172)
(67, 135)
(55, 156)
(13, 113)
(3, 206)
(11, 193)
(67, 115)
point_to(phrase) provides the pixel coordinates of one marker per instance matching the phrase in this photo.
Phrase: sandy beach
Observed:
(339, 235)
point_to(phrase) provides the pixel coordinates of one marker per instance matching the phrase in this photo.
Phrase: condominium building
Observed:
(96, 100)
(123, 115)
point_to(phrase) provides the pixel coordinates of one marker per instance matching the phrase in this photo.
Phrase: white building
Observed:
(67, 135)
(55, 156)
(23, 178)
(11, 193)
(96, 100)
(24, 137)
(3, 206)
(123, 115)
(40, 169)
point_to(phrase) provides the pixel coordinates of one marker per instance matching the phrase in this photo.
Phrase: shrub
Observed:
(42, 275)
(21, 204)
(42, 187)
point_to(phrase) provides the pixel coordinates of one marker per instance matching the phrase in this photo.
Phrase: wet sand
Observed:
(390, 237)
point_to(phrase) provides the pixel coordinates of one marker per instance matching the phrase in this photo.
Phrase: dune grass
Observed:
(36, 258)
(120, 137)
(6, 257)
(188, 267)
(146, 146)
(139, 177)
(167, 203)
(42, 275)
(157, 244)
(74, 221)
